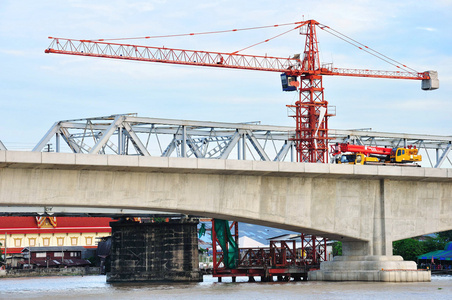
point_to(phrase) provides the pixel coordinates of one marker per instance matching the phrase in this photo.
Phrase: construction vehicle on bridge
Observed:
(346, 153)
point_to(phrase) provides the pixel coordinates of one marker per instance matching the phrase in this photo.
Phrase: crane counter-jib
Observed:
(379, 74)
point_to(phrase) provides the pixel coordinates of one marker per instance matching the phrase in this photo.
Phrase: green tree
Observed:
(337, 248)
(92, 260)
(446, 235)
(158, 220)
(434, 243)
(409, 249)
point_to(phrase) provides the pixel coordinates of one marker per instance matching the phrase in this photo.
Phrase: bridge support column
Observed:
(166, 251)
(371, 260)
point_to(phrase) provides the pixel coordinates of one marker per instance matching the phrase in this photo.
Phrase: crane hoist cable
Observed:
(299, 24)
(365, 48)
(194, 33)
(264, 41)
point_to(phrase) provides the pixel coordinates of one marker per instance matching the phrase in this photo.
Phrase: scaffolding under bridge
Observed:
(283, 259)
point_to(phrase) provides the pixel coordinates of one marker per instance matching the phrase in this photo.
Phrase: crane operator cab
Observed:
(405, 155)
(289, 83)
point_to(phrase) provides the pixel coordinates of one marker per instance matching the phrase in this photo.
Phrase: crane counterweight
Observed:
(432, 83)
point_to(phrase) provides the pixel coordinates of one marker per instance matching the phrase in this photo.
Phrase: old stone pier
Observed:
(163, 251)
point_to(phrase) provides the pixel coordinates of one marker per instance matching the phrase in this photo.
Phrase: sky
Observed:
(38, 89)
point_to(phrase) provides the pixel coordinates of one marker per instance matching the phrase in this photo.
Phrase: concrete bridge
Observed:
(365, 207)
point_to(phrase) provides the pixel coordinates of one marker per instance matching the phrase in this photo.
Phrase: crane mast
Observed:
(311, 110)
(301, 74)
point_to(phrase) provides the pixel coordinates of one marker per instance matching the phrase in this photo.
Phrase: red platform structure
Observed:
(282, 259)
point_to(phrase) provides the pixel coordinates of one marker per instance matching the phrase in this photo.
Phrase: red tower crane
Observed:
(299, 73)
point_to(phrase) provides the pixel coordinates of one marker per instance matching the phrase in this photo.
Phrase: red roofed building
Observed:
(21, 232)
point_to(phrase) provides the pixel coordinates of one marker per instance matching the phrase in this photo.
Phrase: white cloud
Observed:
(115, 7)
(15, 52)
(427, 28)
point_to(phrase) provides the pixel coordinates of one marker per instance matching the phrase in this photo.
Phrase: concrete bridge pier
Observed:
(354, 265)
(166, 251)
(372, 260)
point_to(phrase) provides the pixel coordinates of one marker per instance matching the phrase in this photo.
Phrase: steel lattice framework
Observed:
(128, 134)
(289, 65)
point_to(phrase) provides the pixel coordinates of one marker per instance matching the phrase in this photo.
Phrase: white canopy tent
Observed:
(247, 242)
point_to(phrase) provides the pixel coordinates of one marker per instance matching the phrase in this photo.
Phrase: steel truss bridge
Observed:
(128, 134)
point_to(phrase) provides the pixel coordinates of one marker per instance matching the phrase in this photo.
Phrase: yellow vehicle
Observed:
(403, 155)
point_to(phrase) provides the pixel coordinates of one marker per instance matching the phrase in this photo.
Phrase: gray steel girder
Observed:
(2, 146)
(215, 140)
(443, 156)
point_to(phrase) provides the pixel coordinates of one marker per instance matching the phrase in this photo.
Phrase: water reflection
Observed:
(95, 287)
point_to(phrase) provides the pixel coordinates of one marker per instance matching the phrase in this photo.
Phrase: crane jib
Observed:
(289, 66)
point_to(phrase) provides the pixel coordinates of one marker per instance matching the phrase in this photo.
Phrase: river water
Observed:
(95, 287)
